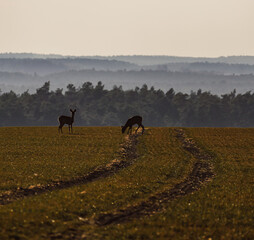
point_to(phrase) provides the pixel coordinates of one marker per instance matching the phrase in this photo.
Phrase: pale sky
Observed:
(199, 28)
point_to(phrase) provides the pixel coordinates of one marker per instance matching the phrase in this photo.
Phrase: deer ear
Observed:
(70, 110)
(75, 110)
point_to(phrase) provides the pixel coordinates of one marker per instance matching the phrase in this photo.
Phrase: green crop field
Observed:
(170, 183)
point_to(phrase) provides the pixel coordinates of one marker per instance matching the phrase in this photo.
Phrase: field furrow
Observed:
(201, 173)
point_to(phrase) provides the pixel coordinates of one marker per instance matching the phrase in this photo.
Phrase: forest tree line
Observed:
(97, 106)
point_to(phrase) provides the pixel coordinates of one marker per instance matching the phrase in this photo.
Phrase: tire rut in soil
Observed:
(201, 173)
(127, 155)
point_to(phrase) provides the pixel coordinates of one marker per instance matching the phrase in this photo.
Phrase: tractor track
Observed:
(127, 155)
(201, 173)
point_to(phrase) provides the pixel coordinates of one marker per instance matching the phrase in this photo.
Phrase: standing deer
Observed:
(131, 121)
(66, 120)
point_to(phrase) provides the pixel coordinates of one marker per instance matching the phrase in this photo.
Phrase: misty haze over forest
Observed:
(22, 72)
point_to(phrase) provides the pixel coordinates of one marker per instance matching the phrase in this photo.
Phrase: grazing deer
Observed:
(66, 120)
(131, 121)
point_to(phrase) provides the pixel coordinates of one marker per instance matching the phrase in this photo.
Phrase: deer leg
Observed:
(130, 130)
(60, 129)
(143, 128)
(137, 128)
(71, 129)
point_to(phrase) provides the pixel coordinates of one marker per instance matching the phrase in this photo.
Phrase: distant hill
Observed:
(209, 67)
(29, 55)
(155, 60)
(44, 66)
(142, 60)
(164, 80)
(49, 64)
(22, 71)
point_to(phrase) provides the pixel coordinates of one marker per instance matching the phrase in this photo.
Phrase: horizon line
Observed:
(124, 55)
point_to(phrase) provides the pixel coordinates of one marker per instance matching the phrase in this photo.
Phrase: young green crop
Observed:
(161, 163)
(39, 155)
(221, 209)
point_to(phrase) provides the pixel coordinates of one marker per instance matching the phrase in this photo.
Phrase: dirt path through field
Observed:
(127, 155)
(201, 173)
